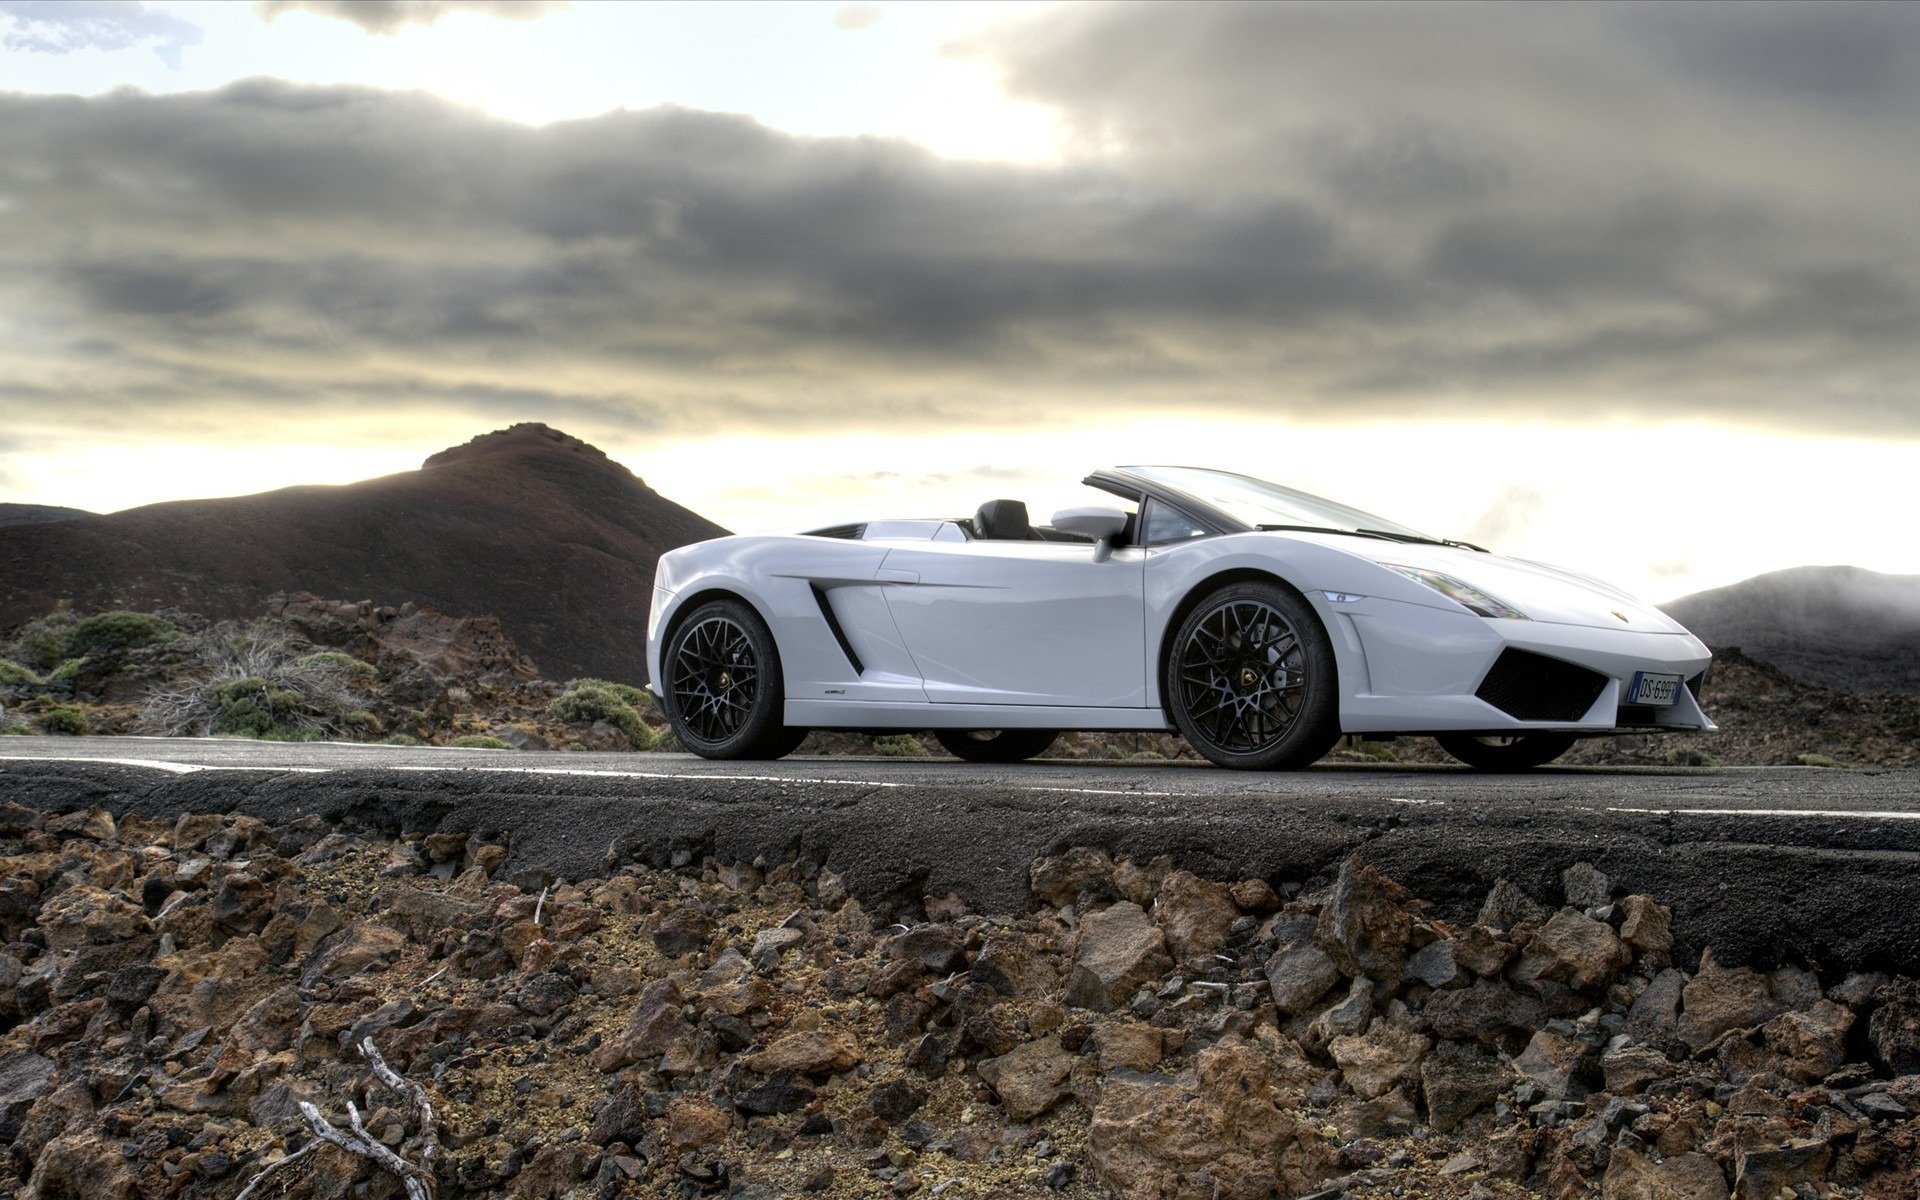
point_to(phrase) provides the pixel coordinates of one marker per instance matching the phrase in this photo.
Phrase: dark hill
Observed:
(38, 514)
(1838, 627)
(525, 524)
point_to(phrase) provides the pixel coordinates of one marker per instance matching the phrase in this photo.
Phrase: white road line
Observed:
(1854, 813)
(157, 765)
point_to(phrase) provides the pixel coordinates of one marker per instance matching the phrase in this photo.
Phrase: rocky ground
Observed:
(172, 993)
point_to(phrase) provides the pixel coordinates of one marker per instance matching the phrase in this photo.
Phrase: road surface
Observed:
(1820, 866)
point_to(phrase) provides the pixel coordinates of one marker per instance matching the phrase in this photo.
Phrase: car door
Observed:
(1021, 622)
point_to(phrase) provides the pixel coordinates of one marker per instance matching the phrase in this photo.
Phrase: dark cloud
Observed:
(387, 17)
(64, 26)
(1326, 212)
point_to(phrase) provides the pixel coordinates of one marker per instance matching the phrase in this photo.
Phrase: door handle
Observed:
(892, 575)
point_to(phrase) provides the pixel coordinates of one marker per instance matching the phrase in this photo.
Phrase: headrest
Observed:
(1002, 520)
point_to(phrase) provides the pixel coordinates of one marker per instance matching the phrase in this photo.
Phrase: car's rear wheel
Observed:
(1252, 680)
(1519, 752)
(724, 692)
(996, 745)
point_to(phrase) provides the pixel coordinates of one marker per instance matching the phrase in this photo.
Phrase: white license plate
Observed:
(1656, 690)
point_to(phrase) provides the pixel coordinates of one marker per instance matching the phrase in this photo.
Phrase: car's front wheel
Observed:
(724, 692)
(995, 745)
(1520, 752)
(1252, 680)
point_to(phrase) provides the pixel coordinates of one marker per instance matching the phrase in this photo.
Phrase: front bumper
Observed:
(1422, 670)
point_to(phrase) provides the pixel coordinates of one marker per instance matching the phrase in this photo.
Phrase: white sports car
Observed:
(1258, 622)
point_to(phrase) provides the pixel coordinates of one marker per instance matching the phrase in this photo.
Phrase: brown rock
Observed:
(86, 916)
(1141, 884)
(1633, 1176)
(682, 931)
(1811, 1045)
(1194, 914)
(359, 947)
(1646, 924)
(1555, 1064)
(694, 1122)
(1129, 1045)
(1212, 1133)
(81, 1164)
(1656, 1012)
(1119, 949)
(1576, 950)
(1381, 1059)
(940, 949)
(1761, 1172)
(1719, 999)
(655, 1027)
(1061, 878)
(1630, 1069)
(1482, 951)
(1367, 923)
(554, 1172)
(1255, 896)
(1029, 1079)
(1894, 1029)
(807, 1052)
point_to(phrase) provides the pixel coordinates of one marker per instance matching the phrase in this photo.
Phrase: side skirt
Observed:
(873, 714)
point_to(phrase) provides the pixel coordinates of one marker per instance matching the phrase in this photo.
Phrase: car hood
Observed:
(1543, 592)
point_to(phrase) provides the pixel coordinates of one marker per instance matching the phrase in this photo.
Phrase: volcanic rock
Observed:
(1459, 1079)
(1719, 999)
(1633, 1176)
(1029, 1079)
(1194, 914)
(1894, 1029)
(1381, 1059)
(1120, 948)
(1367, 923)
(1212, 1132)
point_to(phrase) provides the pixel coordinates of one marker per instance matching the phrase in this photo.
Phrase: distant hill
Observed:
(38, 514)
(1839, 627)
(525, 524)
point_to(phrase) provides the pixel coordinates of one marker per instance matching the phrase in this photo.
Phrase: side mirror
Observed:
(1101, 524)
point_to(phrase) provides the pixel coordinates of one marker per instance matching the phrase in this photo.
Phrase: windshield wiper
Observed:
(1384, 535)
(1372, 533)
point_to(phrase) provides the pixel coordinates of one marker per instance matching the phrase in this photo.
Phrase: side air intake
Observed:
(1533, 687)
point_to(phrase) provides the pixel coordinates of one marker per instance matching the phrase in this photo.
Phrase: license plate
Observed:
(1656, 690)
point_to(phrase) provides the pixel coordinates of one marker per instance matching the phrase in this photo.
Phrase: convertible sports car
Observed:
(1258, 622)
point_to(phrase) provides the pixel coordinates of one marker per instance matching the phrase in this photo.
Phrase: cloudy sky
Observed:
(1634, 288)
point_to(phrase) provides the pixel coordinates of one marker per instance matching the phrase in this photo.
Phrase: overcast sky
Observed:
(1634, 288)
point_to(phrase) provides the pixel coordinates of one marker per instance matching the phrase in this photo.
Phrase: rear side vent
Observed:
(1533, 687)
(839, 634)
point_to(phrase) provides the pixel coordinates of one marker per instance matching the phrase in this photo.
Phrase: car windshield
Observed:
(1259, 503)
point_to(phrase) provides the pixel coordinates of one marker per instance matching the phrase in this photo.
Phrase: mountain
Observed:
(1839, 627)
(38, 514)
(525, 524)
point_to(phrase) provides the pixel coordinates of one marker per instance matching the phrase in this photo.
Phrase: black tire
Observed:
(1522, 752)
(724, 692)
(1251, 679)
(995, 745)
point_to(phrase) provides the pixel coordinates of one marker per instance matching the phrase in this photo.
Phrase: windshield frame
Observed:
(1332, 515)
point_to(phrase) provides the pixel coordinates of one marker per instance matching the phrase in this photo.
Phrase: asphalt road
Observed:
(1817, 866)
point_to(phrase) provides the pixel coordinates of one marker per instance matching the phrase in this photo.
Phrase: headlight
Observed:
(1464, 594)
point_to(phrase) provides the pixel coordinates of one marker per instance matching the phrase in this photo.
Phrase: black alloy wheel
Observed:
(1252, 679)
(1518, 752)
(724, 690)
(995, 745)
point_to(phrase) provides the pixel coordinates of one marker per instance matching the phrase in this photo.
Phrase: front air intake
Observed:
(1533, 687)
